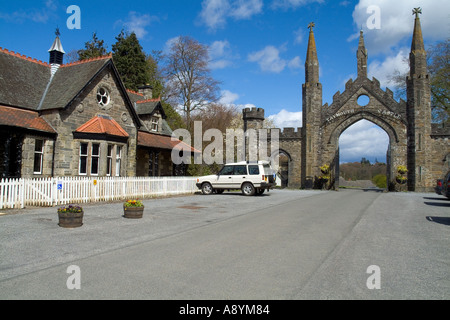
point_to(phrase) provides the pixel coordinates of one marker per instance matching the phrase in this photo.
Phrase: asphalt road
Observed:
(285, 245)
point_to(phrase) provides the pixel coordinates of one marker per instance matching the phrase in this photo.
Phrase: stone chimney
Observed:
(146, 90)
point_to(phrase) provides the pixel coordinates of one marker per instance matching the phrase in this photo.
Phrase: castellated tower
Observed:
(253, 121)
(419, 114)
(253, 118)
(312, 104)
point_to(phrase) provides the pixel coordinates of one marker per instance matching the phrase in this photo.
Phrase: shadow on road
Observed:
(441, 220)
(435, 198)
(438, 204)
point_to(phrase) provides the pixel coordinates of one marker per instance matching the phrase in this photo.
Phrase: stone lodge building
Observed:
(415, 142)
(78, 119)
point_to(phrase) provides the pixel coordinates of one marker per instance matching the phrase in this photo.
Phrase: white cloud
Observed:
(269, 60)
(220, 55)
(245, 9)
(299, 35)
(215, 13)
(384, 70)
(42, 15)
(363, 139)
(138, 23)
(397, 22)
(288, 4)
(295, 63)
(228, 97)
(287, 119)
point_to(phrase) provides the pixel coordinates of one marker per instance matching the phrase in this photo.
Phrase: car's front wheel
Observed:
(207, 189)
(248, 189)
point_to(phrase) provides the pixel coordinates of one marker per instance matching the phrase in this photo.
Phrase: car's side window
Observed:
(253, 170)
(226, 171)
(240, 170)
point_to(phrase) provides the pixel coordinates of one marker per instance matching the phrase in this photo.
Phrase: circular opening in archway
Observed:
(363, 100)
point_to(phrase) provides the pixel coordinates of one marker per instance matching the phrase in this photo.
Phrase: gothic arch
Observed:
(340, 127)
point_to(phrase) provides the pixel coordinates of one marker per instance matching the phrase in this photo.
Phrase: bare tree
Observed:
(189, 83)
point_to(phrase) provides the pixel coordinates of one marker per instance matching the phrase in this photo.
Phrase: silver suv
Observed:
(253, 178)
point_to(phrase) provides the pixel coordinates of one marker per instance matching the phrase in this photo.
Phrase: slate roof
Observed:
(22, 80)
(27, 119)
(70, 80)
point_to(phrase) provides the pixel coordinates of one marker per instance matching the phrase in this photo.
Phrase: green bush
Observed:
(380, 180)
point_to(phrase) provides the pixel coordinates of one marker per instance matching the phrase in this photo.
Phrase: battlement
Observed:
(290, 133)
(253, 114)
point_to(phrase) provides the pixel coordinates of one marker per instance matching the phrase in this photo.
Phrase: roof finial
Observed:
(57, 33)
(417, 11)
(311, 26)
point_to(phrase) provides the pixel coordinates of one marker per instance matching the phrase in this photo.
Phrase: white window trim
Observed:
(109, 160)
(118, 160)
(87, 159)
(95, 156)
(41, 153)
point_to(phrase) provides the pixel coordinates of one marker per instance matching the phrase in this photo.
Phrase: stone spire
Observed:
(312, 62)
(418, 55)
(361, 55)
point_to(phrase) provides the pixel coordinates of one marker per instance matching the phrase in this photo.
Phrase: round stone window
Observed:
(103, 97)
(363, 100)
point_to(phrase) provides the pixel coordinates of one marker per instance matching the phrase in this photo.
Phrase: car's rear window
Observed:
(253, 170)
(267, 169)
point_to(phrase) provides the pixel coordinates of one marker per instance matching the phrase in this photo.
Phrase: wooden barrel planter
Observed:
(133, 212)
(70, 219)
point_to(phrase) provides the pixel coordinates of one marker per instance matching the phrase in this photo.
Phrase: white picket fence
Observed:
(48, 192)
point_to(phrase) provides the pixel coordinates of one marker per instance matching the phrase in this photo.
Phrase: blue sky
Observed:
(258, 47)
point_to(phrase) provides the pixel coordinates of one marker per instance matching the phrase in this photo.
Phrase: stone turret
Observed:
(253, 118)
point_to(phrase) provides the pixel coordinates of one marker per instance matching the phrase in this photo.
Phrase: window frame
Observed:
(118, 160)
(95, 157)
(109, 160)
(39, 153)
(86, 156)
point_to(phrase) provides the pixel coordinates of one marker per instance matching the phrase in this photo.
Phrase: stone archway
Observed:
(395, 130)
(283, 167)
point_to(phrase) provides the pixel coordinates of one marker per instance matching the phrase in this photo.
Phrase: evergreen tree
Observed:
(130, 61)
(94, 48)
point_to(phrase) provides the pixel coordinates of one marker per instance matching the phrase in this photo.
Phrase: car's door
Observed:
(240, 176)
(225, 178)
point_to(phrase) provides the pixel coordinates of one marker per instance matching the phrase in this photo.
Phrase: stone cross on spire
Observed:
(417, 11)
(311, 26)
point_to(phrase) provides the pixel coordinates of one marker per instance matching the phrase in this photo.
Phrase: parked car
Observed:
(446, 185)
(438, 187)
(252, 178)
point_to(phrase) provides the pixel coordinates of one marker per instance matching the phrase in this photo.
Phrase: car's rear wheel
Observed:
(248, 189)
(207, 189)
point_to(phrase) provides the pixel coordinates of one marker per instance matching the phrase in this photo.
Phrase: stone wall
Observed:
(84, 108)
